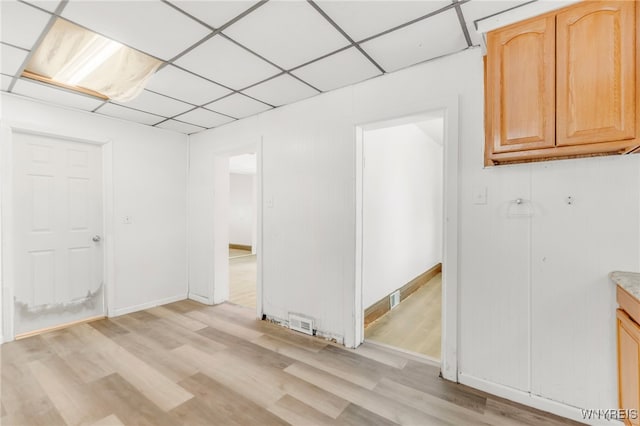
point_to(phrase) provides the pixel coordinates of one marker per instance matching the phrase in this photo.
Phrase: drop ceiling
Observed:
(226, 60)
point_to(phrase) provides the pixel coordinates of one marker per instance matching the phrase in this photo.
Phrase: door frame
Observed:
(450, 261)
(7, 130)
(218, 290)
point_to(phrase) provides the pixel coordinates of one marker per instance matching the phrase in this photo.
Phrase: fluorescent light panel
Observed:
(78, 59)
(88, 59)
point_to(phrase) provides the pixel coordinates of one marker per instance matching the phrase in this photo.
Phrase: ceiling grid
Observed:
(231, 60)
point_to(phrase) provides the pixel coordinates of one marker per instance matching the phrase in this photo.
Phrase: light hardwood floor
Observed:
(242, 278)
(191, 364)
(415, 324)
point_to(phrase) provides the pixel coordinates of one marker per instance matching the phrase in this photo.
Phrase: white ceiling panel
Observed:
(129, 114)
(205, 118)
(287, 33)
(362, 19)
(179, 84)
(150, 26)
(53, 95)
(281, 90)
(238, 105)
(479, 9)
(157, 104)
(21, 24)
(222, 61)
(11, 59)
(436, 36)
(339, 70)
(215, 13)
(5, 81)
(49, 5)
(180, 127)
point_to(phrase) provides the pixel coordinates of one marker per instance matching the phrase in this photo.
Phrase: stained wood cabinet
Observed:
(521, 74)
(564, 84)
(628, 364)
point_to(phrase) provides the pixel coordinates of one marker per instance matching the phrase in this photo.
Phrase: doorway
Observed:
(57, 245)
(402, 199)
(242, 230)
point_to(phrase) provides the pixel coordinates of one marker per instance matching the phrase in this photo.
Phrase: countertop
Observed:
(629, 281)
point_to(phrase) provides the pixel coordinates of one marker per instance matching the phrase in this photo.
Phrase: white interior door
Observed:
(58, 254)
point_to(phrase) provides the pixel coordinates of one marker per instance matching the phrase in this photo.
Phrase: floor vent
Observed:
(394, 299)
(301, 324)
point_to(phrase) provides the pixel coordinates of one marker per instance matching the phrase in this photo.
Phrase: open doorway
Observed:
(402, 233)
(242, 230)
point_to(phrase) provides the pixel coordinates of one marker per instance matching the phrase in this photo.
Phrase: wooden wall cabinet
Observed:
(628, 364)
(564, 84)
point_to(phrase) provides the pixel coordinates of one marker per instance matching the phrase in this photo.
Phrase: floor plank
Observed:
(191, 364)
(217, 404)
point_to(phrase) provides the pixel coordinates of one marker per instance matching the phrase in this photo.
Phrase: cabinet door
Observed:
(520, 86)
(628, 364)
(596, 73)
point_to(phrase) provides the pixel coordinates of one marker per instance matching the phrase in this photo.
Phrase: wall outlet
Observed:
(127, 220)
(479, 194)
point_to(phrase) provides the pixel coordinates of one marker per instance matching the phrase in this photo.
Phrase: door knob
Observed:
(96, 238)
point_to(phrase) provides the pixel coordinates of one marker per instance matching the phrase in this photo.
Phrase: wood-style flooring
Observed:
(415, 324)
(191, 364)
(242, 278)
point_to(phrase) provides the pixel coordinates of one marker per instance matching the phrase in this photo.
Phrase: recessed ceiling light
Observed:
(78, 59)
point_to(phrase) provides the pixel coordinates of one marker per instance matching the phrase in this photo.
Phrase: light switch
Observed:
(479, 194)
(269, 203)
(127, 220)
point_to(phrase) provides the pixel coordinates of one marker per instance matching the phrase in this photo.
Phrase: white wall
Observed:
(536, 308)
(402, 207)
(149, 182)
(242, 209)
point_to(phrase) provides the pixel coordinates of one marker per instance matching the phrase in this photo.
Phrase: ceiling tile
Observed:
(362, 19)
(287, 33)
(353, 67)
(12, 59)
(50, 5)
(129, 114)
(205, 118)
(5, 81)
(436, 36)
(215, 13)
(157, 104)
(238, 105)
(180, 127)
(479, 9)
(56, 96)
(222, 61)
(21, 23)
(179, 84)
(150, 26)
(281, 90)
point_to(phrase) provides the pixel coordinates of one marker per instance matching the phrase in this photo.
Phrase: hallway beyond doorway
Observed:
(415, 324)
(242, 277)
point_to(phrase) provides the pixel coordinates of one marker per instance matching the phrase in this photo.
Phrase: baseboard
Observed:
(239, 246)
(147, 305)
(58, 327)
(381, 307)
(200, 299)
(533, 401)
